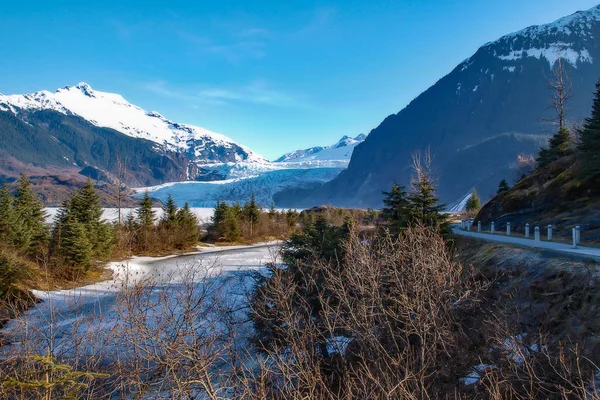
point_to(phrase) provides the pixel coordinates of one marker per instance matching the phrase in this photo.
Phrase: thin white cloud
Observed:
(256, 92)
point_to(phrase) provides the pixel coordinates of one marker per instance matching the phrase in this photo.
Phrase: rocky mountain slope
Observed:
(476, 119)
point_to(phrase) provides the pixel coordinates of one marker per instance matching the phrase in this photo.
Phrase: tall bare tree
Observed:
(121, 171)
(562, 91)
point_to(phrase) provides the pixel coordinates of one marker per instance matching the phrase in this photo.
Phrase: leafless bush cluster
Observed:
(387, 328)
(533, 366)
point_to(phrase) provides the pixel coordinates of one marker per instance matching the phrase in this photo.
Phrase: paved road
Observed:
(560, 248)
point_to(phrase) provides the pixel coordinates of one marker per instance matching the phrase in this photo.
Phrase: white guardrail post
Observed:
(468, 226)
(536, 235)
(508, 229)
(527, 231)
(574, 237)
(549, 233)
(492, 228)
(478, 226)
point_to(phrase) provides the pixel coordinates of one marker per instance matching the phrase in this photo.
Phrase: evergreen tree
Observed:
(473, 204)
(187, 227)
(145, 213)
(169, 220)
(425, 207)
(589, 135)
(252, 213)
(396, 211)
(272, 210)
(31, 217)
(87, 209)
(145, 225)
(320, 240)
(503, 187)
(232, 226)
(559, 146)
(291, 218)
(75, 247)
(57, 227)
(219, 220)
(8, 218)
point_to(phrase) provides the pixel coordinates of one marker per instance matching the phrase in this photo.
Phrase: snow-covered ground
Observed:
(94, 313)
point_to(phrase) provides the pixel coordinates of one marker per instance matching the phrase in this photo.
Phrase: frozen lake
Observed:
(146, 296)
(204, 214)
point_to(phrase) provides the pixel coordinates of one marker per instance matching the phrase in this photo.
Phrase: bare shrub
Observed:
(387, 328)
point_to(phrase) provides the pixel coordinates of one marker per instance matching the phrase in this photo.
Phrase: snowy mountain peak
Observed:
(570, 38)
(340, 152)
(111, 110)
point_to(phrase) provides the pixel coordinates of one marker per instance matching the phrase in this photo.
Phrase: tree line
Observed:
(250, 222)
(79, 240)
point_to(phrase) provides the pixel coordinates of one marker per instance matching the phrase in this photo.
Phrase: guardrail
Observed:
(466, 224)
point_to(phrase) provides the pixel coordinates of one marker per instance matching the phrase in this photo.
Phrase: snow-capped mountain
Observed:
(478, 118)
(79, 131)
(340, 151)
(110, 110)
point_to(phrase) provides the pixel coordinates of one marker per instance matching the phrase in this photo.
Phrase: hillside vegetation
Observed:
(563, 190)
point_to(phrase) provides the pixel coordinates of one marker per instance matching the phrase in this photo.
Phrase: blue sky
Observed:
(275, 76)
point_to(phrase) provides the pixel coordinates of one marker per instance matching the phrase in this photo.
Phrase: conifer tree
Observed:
(252, 213)
(272, 210)
(232, 226)
(425, 207)
(560, 145)
(187, 226)
(473, 204)
(145, 213)
(219, 219)
(503, 187)
(31, 217)
(75, 246)
(170, 211)
(57, 227)
(396, 211)
(145, 225)
(87, 209)
(589, 135)
(8, 218)
(291, 217)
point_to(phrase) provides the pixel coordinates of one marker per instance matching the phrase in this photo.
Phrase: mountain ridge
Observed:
(111, 110)
(476, 119)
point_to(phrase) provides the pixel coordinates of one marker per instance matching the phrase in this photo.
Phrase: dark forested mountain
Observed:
(83, 131)
(48, 142)
(477, 118)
